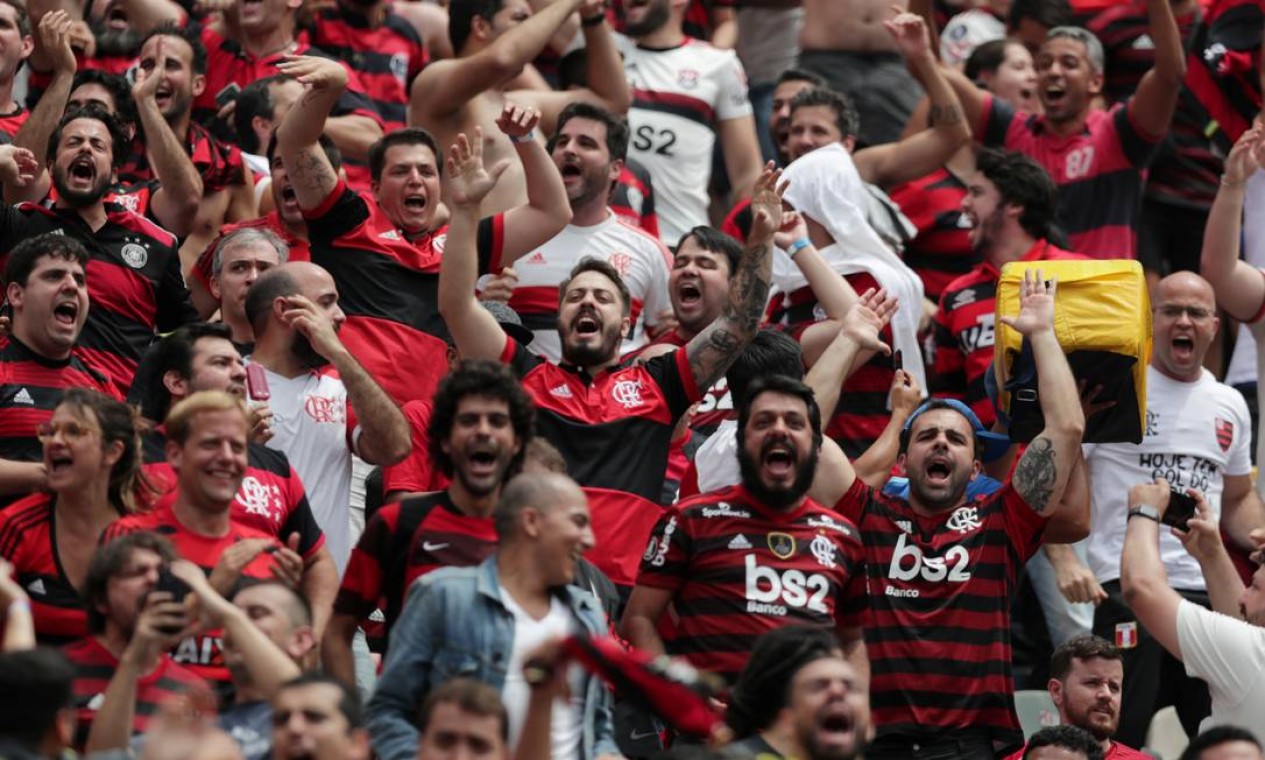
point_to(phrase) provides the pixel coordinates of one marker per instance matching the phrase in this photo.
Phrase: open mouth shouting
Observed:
(1054, 96)
(587, 324)
(939, 470)
(1182, 348)
(778, 459)
(482, 461)
(66, 313)
(82, 172)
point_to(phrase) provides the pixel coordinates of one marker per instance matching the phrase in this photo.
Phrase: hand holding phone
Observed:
(257, 383)
(1181, 507)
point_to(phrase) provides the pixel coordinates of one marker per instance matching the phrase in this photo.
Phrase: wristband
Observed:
(20, 605)
(529, 137)
(798, 246)
(1143, 510)
(593, 21)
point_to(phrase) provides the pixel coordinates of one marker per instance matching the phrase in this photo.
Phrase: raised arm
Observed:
(1043, 471)
(1142, 577)
(445, 87)
(715, 348)
(606, 84)
(547, 209)
(832, 291)
(926, 151)
(298, 136)
(1239, 286)
(741, 147)
(176, 201)
(1152, 105)
(54, 33)
(474, 331)
(384, 432)
(970, 97)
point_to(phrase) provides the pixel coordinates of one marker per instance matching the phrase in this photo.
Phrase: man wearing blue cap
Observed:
(942, 566)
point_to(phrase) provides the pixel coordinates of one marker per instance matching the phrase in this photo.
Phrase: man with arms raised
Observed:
(612, 422)
(938, 551)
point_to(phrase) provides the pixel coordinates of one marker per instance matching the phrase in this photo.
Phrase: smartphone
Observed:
(172, 585)
(1181, 507)
(228, 94)
(257, 383)
(898, 361)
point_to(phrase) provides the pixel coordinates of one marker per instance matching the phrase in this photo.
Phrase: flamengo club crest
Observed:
(1225, 433)
(627, 393)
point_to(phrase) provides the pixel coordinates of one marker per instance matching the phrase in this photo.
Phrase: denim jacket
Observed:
(454, 624)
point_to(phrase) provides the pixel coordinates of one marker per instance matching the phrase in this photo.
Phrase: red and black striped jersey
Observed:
(388, 288)
(942, 248)
(1222, 61)
(218, 163)
(861, 414)
(31, 387)
(614, 429)
(200, 653)
(938, 628)
(633, 197)
(417, 473)
(388, 56)
(1098, 171)
(737, 222)
(28, 541)
(1123, 31)
(738, 569)
(134, 281)
(271, 499)
(963, 332)
(404, 541)
(94, 667)
(204, 268)
(11, 122)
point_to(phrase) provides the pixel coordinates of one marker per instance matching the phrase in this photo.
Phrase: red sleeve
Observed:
(416, 473)
(689, 482)
(852, 504)
(362, 584)
(1024, 525)
(666, 561)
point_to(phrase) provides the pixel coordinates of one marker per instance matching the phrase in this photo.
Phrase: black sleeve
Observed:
(175, 307)
(336, 216)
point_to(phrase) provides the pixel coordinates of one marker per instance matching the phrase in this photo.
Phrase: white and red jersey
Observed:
(679, 95)
(639, 258)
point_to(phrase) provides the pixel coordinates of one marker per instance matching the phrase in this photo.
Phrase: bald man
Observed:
(1198, 436)
(294, 312)
(492, 615)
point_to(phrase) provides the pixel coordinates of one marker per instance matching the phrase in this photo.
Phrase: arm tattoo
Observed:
(1036, 474)
(946, 115)
(313, 167)
(712, 351)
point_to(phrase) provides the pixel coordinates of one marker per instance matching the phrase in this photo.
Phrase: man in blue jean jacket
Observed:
(481, 622)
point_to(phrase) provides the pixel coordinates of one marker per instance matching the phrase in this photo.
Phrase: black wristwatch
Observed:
(1143, 510)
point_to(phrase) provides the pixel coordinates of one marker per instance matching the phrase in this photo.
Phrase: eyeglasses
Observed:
(70, 432)
(1174, 311)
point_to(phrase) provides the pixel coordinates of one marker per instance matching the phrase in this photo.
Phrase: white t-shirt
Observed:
(1196, 434)
(566, 732)
(312, 426)
(640, 258)
(679, 96)
(1230, 655)
(716, 461)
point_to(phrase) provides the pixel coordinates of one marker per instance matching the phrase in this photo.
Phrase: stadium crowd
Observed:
(587, 379)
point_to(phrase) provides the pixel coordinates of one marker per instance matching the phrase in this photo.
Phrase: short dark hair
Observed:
(25, 255)
(986, 57)
(930, 405)
(35, 685)
(1084, 647)
(191, 38)
(120, 139)
(174, 353)
(470, 696)
(487, 379)
(255, 100)
(115, 84)
(271, 285)
(785, 385)
(349, 703)
(616, 127)
(128, 487)
(405, 136)
(771, 352)
(846, 118)
(109, 560)
(1021, 181)
(714, 241)
(461, 15)
(763, 686)
(1067, 737)
(1215, 737)
(325, 141)
(1047, 13)
(23, 17)
(604, 268)
(800, 75)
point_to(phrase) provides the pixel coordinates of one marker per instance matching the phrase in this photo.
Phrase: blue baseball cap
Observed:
(995, 444)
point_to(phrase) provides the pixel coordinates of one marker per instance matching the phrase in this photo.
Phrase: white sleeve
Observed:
(1240, 455)
(732, 101)
(1227, 653)
(657, 297)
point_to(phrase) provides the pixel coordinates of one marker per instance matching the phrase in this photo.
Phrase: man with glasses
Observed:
(1198, 436)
